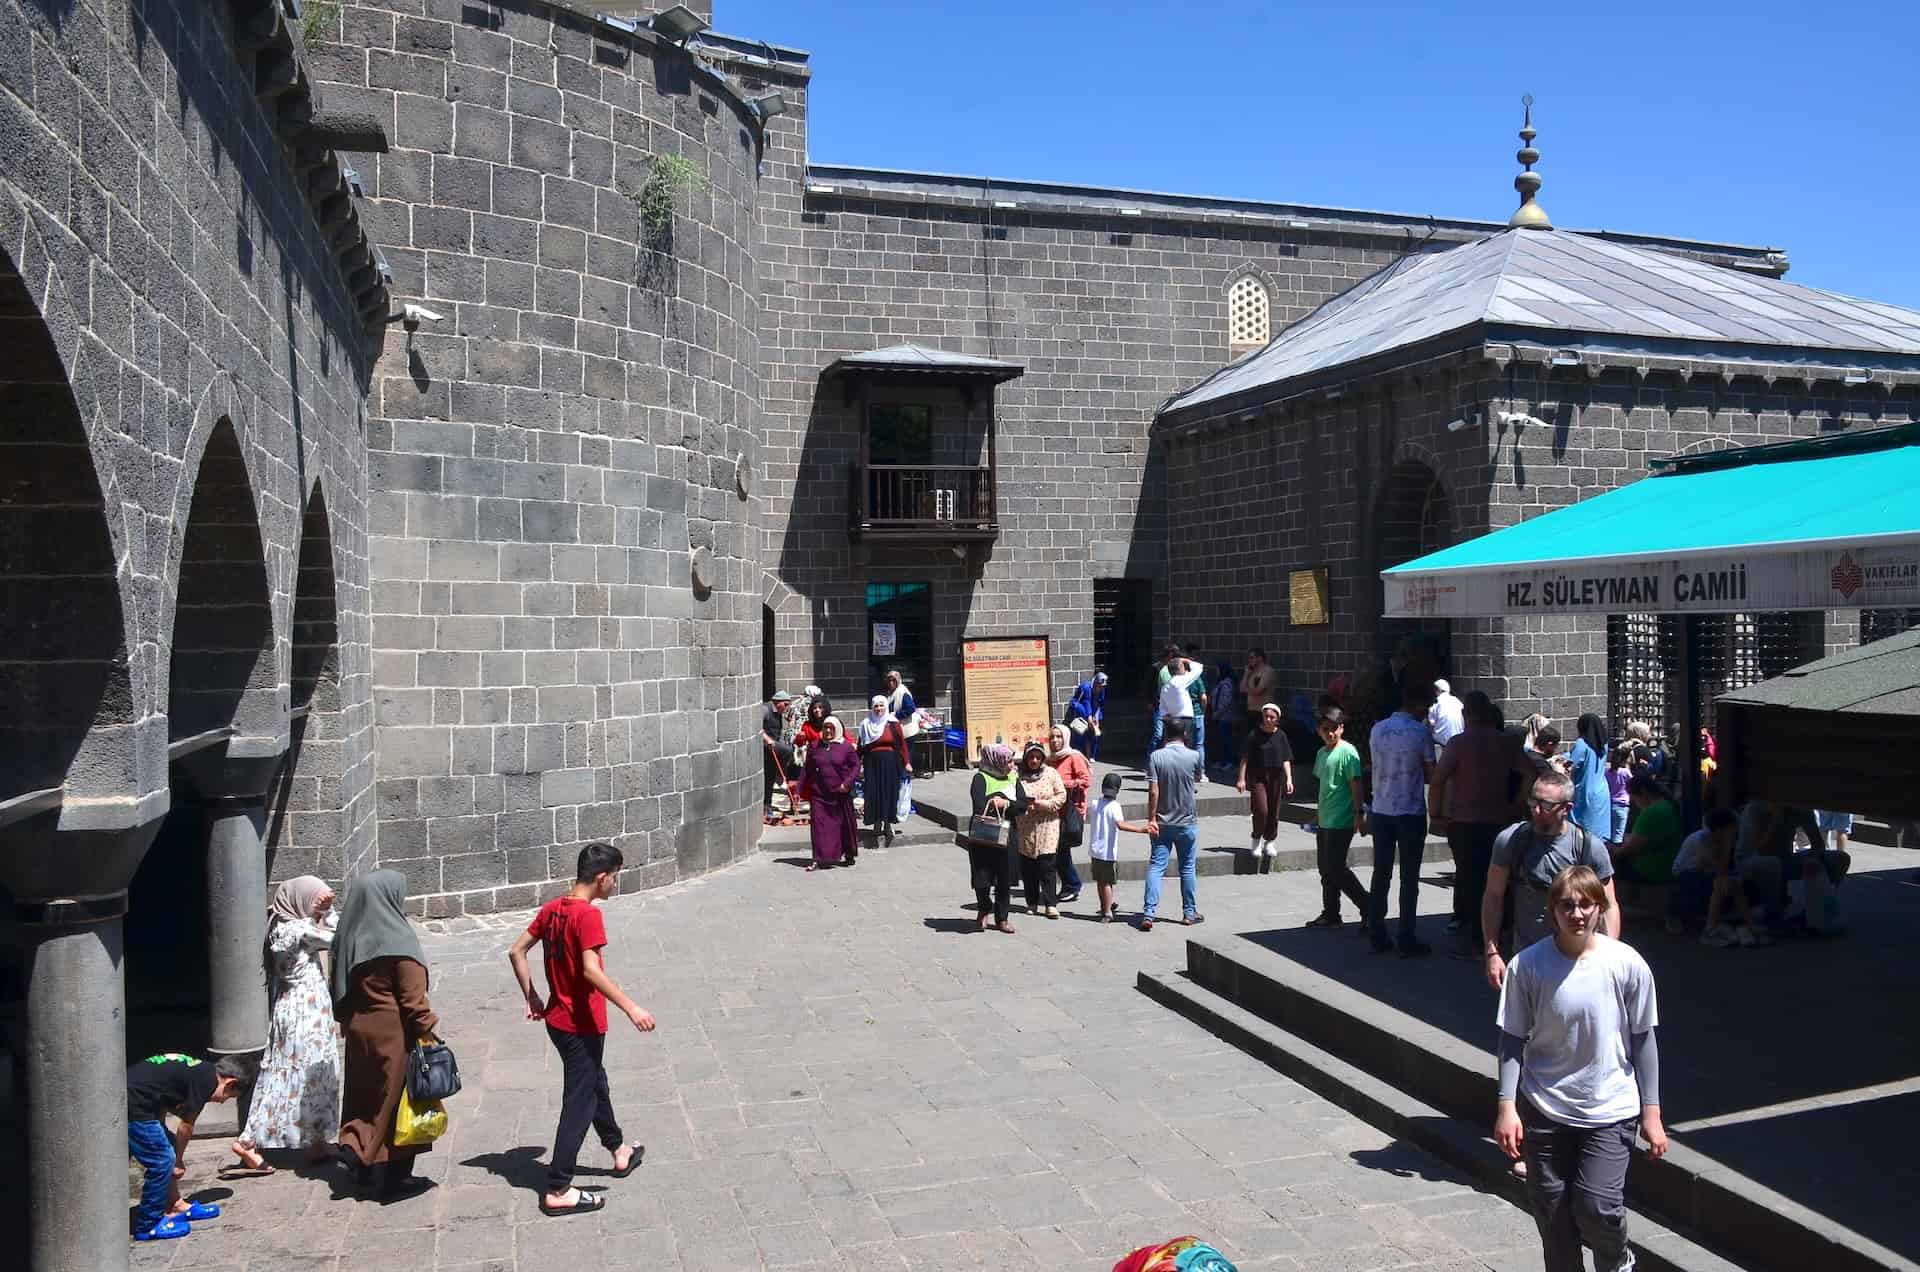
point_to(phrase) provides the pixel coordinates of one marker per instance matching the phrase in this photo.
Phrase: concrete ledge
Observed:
(1657, 1247)
(1755, 1224)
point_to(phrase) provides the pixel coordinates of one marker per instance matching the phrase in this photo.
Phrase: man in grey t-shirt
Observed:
(1172, 823)
(1530, 854)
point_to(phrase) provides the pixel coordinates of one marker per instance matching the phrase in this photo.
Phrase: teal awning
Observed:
(1820, 524)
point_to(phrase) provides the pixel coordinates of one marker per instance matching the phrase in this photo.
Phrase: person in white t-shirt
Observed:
(1579, 1071)
(1176, 701)
(1447, 717)
(1103, 841)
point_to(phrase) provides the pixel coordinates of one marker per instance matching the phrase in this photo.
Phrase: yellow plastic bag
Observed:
(416, 1127)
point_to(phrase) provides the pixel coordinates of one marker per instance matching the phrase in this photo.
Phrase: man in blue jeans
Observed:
(1402, 754)
(1172, 825)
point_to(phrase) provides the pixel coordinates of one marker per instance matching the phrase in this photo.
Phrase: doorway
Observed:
(900, 637)
(1123, 634)
(769, 660)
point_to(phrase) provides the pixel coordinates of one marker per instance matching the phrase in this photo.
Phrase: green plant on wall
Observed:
(669, 177)
(318, 20)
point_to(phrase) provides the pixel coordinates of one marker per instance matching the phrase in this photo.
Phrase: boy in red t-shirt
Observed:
(573, 933)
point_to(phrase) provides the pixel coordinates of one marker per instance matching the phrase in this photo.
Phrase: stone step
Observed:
(1657, 1247)
(1761, 1228)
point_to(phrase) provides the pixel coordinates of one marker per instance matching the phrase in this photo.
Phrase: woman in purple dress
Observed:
(831, 769)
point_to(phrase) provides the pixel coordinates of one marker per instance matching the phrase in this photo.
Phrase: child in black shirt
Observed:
(183, 1086)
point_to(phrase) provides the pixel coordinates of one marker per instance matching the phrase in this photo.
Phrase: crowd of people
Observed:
(348, 1007)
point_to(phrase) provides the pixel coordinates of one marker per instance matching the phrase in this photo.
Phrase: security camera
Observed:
(413, 315)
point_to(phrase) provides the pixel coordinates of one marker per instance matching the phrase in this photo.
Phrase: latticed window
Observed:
(1731, 651)
(1247, 316)
(1880, 624)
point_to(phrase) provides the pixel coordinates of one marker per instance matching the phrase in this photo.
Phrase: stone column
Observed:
(237, 922)
(74, 1070)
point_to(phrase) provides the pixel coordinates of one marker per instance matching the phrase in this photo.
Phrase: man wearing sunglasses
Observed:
(1530, 855)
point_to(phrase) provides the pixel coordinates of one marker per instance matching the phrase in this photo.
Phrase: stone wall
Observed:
(548, 457)
(183, 339)
(1333, 483)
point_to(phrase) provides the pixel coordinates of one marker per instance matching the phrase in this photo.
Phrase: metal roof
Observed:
(1878, 679)
(1574, 291)
(918, 358)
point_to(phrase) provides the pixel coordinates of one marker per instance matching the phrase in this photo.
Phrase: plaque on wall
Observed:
(1307, 596)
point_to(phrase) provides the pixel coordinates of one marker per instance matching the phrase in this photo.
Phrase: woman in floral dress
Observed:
(296, 1100)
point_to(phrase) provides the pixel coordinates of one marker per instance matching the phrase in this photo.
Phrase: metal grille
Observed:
(1732, 652)
(1123, 633)
(1641, 661)
(1880, 624)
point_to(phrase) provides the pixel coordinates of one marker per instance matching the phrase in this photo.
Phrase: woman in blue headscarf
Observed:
(1089, 703)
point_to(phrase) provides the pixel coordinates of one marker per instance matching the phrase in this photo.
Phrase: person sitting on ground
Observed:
(1104, 825)
(1653, 836)
(1531, 854)
(1705, 889)
(183, 1086)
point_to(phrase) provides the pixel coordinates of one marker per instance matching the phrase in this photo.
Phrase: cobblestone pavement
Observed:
(847, 1076)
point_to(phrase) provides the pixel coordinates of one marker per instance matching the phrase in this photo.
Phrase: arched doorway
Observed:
(1412, 517)
(305, 832)
(223, 684)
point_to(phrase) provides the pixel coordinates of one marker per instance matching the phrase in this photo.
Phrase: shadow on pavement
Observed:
(521, 1167)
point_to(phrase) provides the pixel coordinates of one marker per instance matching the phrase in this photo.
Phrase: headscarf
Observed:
(1273, 707)
(1062, 743)
(997, 759)
(839, 729)
(1033, 744)
(372, 926)
(1182, 1254)
(1593, 733)
(1533, 724)
(296, 898)
(874, 724)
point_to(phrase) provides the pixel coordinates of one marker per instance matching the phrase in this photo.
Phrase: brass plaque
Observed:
(1307, 596)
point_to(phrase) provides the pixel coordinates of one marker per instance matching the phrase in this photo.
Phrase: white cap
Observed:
(1443, 686)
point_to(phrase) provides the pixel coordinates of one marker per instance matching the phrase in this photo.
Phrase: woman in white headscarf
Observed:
(296, 1100)
(883, 760)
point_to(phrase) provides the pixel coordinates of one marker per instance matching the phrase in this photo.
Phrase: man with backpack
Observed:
(1531, 854)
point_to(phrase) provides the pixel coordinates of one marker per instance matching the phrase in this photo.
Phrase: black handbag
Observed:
(432, 1072)
(984, 829)
(1073, 827)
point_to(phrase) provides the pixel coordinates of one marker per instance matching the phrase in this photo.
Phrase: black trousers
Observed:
(991, 866)
(1472, 846)
(1038, 878)
(1336, 877)
(1577, 1185)
(584, 1100)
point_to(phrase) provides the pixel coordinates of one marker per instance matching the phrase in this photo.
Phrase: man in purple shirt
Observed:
(1401, 749)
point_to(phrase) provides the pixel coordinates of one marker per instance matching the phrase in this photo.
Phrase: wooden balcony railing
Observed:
(930, 502)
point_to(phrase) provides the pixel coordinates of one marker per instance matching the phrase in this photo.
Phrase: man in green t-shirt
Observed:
(1337, 766)
(1653, 837)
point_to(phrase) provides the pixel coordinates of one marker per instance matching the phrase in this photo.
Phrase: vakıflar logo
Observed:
(1847, 576)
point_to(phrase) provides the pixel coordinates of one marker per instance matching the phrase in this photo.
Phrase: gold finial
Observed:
(1529, 215)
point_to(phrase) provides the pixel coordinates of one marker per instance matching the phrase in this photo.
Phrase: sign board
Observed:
(1307, 596)
(886, 640)
(1007, 690)
(1870, 576)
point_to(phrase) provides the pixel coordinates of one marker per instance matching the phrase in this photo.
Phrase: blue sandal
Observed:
(171, 1226)
(199, 1212)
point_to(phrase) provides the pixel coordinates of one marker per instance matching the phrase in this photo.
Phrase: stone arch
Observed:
(306, 827)
(68, 711)
(222, 664)
(1413, 515)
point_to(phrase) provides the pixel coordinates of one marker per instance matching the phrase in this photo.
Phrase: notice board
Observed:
(1307, 596)
(1006, 686)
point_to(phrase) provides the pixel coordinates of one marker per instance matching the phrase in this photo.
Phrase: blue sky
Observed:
(1791, 125)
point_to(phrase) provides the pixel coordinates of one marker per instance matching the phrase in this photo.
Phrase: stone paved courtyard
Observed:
(846, 1076)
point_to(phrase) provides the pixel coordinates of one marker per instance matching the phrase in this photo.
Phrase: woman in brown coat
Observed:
(379, 983)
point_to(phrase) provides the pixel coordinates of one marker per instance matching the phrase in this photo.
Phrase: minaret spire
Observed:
(1529, 215)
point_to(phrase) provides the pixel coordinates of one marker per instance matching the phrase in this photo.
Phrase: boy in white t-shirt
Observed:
(1103, 841)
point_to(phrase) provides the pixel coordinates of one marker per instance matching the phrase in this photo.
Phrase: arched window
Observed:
(1247, 310)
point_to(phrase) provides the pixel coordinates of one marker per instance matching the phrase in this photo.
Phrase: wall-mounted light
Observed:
(1521, 418)
(1129, 211)
(1005, 203)
(1566, 358)
(1857, 377)
(769, 106)
(1299, 225)
(1464, 423)
(678, 24)
(819, 189)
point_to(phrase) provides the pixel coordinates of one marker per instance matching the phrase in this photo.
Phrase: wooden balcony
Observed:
(919, 503)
